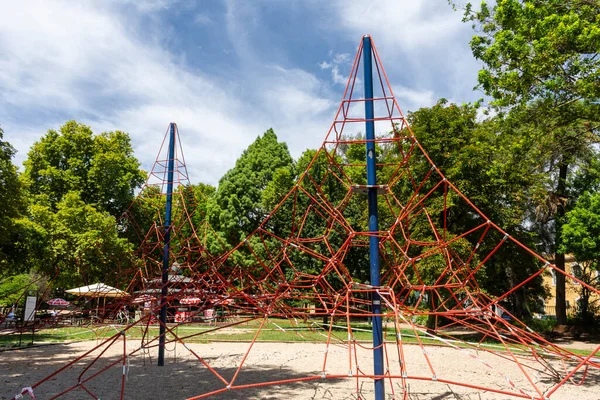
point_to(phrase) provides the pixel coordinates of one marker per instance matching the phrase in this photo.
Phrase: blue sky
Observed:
(225, 71)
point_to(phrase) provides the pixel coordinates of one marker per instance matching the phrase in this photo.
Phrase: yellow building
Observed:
(572, 287)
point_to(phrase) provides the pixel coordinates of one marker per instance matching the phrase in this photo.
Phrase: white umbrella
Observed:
(143, 299)
(192, 301)
(58, 302)
(98, 290)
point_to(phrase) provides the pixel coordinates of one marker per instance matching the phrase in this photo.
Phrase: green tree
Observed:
(197, 198)
(319, 172)
(83, 244)
(581, 237)
(203, 192)
(195, 241)
(13, 289)
(244, 195)
(29, 246)
(13, 208)
(490, 162)
(77, 184)
(541, 62)
(147, 209)
(101, 167)
(538, 49)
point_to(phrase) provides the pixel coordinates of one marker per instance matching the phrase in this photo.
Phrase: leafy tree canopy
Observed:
(491, 163)
(101, 167)
(244, 195)
(538, 49)
(82, 243)
(581, 232)
(541, 62)
(581, 237)
(13, 205)
(13, 289)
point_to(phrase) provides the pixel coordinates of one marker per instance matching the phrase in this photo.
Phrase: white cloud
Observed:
(293, 93)
(202, 19)
(424, 45)
(294, 102)
(94, 64)
(211, 140)
(338, 61)
(401, 24)
(146, 6)
(105, 67)
(343, 58)
(72, 59)
(297, 107)
(414, 99)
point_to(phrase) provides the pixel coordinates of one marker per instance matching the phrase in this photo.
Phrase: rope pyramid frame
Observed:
(301, 264)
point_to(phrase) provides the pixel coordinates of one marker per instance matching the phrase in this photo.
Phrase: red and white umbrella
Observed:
(143, 299)
(58, 302)
(190, 301)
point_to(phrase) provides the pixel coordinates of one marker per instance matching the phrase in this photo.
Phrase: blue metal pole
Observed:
(373, 222)
(165, 266)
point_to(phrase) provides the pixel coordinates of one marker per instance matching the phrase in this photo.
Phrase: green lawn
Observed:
(274, 330)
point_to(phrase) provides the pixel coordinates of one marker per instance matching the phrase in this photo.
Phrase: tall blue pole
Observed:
(165, 266)
(373, 222)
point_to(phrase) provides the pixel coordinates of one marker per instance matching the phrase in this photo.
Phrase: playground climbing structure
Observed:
(308, 262)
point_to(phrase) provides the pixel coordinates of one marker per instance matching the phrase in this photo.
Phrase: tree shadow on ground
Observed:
(178, 379)
(185, 378)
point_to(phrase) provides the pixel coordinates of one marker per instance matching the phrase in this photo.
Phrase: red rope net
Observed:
(306, 262)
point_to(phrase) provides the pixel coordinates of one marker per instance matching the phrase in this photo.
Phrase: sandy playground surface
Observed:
(184, 376)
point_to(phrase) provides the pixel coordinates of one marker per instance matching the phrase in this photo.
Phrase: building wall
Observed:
(572, 288)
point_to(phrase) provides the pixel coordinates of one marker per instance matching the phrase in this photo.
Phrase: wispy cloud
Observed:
(424, 42)
(113, 65)
(79, 61)
(146, 6)
(202, 19)
(338, 61)
(414, 99)
(403, 25)
(293, 101)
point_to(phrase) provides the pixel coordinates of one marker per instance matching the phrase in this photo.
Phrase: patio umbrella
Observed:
(98, 290)
(143, 299)
(58, 302)
(191, 301)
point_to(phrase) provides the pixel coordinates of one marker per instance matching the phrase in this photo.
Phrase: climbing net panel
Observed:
(304, 272)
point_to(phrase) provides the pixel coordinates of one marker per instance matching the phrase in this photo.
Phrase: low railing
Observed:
(550, 311)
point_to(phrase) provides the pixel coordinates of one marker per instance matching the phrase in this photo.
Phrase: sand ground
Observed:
(184, 376)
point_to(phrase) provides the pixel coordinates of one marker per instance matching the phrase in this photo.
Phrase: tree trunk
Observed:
(561, 305)
(521, 309)
(432, 319)
(559, 259)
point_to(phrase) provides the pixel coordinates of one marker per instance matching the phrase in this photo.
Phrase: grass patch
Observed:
(274, 330)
